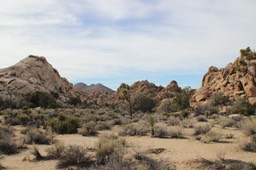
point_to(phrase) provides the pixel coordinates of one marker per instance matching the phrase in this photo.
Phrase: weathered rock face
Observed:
(236, 80)
(33, 74)
(150, 89)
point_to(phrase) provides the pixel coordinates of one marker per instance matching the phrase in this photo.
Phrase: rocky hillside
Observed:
(236, 80)
(92, 88)
(33, 74)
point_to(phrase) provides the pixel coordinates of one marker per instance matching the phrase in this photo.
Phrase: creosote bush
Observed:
(242, 106)
(249, 145)
(38, 137)
(64, 124)
(225, 122)
(134, 129)
(211, 136)
(202, 129)
(206, 109)
(89, 129)
(7, 145)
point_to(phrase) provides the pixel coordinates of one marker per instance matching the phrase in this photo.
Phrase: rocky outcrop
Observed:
(236, 80)
(93, 88)
(33, 74)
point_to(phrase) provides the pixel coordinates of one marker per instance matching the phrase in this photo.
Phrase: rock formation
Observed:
(33, 74)
(236, 80)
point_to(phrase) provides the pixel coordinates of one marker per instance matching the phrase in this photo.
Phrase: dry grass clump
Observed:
(221, 163)
(37, 136)
(173, 121)
(163, 132)
(149, 163)
(202, 129)
(249, 145)
(202, 118)
(134, 129)
(108, 146)
(211, 136)
(226, 122)
(7, 144)
(188, 123)
(248, 126)
(72, 155)
(89, 129)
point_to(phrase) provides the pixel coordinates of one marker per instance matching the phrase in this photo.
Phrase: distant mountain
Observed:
(30, 75)
(92, 88)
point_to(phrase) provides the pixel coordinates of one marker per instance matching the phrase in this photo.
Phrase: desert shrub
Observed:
(248, 126)
(18, 118)
(7, 145)
(167, 106)
(64, 124)
(242, 106)
(175, 132)
(218, 98)
(142, 102)
(182, 100)
(56, 151)
(38, 137)
(173, 121)
(187, 123)
(225, 122)
(134, 129)
(202, 118)
(249, 145)
(74, 101)
(41, 99)
(103, 125)
(206, 109)
(152, 164)
(211, 136)
(160, 132)
(7, 103)
(108, 146)
(74, 155)
(89, 129)
(202, 129)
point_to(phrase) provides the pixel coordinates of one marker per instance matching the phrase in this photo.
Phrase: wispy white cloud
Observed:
(88, 39)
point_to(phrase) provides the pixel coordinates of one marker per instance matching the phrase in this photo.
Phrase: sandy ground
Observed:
(177, 151)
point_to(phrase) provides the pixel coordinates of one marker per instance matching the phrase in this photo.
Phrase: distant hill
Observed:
(92, 88)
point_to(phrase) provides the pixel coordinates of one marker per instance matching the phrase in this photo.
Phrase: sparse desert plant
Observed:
(134, 129)
(225, 122)
(218, 98)
(173, 121)
(202, 129)
(103, 125)
(89, 129)
(249, 145)
(202, 118)
(175, 132)
(56, 151)
(108, 146)
(248, 126)
(38, 137)
(161, 132)
(242, 106)
(206, 109)
(211, 136)
(7, 145)
(74, 155)
(188, 123)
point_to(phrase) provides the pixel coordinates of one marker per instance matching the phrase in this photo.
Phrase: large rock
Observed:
(33, 74)
(236, 80)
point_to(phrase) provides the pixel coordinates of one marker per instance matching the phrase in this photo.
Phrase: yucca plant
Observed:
(151, 122)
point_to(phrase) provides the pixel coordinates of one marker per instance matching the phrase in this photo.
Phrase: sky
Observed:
(123, 41)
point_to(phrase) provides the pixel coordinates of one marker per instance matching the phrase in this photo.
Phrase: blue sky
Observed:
(116, 41)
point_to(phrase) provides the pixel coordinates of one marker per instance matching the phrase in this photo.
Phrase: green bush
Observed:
(7, 145)
(248, 126)
(143, 103)
(41, 99)
(35, 136)
(242, 106)
(89, 129)
(74, 101)
(206, 109)
(218, 98)
(65, 124)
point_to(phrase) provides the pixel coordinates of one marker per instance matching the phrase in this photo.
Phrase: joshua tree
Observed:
(126, 95)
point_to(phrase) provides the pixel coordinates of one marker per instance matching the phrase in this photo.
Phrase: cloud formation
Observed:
(115, 41)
